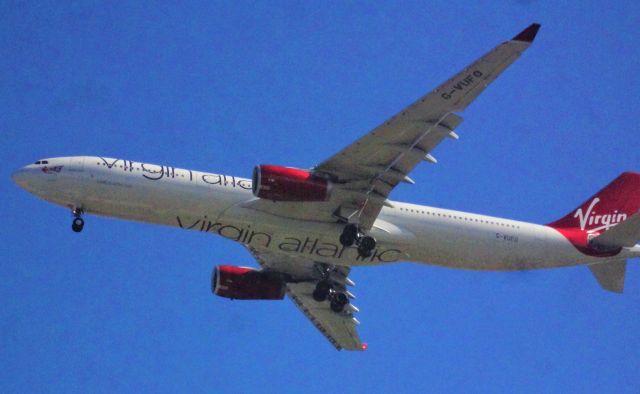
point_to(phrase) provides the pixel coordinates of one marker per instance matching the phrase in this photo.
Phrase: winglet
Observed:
(528, 34)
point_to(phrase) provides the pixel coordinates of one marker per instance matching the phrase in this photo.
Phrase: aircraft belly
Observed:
(318, 241)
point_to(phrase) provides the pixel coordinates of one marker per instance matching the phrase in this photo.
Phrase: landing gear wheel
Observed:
(77, 225)
(349, 235)
(338, 302)
(368, 243)
(364, 253)
(345, 240)
(366, 246)
(321, 293)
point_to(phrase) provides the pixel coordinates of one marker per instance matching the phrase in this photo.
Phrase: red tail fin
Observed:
(616, 202)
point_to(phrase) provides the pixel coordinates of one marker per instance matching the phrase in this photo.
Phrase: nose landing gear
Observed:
(78, 223)
(352, 235)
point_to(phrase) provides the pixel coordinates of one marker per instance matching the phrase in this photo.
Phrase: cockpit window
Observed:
(42, 162)
(37, 162)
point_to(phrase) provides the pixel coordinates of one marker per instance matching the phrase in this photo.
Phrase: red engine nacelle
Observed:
(244, 283)
(288, 184)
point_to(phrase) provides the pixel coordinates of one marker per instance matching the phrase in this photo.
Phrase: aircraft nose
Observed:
(20, 177)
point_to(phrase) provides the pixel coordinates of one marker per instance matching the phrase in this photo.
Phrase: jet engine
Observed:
(288, 184)
(244, 283)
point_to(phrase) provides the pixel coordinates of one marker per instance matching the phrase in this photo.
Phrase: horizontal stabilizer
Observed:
(624, 234)
(610, 274)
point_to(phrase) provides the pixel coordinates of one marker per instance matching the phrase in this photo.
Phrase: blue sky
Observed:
(221, 87)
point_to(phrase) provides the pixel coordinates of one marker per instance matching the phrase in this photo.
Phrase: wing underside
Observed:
(371, 167)
(302, 275)
(339, 329)
(364, 173)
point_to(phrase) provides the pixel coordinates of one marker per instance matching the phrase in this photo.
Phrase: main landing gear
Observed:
(328, 289)
(352, 235)
(78, 222)
(324, 291)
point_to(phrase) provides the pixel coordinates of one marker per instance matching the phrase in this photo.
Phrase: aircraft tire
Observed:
(322, 290)
(349, 235)
(368, 243)
(338, 302)
(77, 225)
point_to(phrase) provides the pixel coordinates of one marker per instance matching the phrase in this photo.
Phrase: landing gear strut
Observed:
(78, 223)
(352, 235)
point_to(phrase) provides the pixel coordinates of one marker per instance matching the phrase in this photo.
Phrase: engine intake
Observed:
(244, 283)
(288, 184)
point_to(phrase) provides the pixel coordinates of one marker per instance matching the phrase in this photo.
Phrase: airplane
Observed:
(308, 227)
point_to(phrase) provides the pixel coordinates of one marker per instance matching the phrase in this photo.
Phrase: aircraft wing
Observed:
(366, 171)
(302, 276)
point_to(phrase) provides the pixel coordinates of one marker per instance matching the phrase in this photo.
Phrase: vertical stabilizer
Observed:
(603, 225)
(613, 204)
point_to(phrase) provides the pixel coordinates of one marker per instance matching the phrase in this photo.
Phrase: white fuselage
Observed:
(217, 204)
